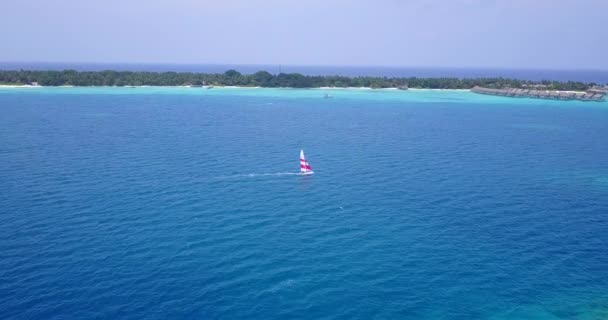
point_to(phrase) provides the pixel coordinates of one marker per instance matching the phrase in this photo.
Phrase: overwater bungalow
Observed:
(541, 94)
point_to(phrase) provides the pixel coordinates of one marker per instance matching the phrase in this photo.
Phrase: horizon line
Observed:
(301, 65)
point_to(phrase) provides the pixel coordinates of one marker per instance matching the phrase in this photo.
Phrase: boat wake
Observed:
(305, 169)
(257, 175)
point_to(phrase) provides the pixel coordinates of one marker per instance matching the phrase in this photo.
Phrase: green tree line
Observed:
(263, 79)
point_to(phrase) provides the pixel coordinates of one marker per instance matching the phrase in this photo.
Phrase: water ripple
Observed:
(162, 205)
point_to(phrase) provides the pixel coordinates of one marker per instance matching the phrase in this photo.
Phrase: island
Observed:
(570, 90)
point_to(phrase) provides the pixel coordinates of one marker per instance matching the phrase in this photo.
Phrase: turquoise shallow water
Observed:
(155, 203)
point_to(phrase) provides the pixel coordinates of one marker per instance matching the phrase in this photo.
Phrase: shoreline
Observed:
(19, 86)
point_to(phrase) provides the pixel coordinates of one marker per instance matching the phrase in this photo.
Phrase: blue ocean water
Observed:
(180, 203)
(596, 76)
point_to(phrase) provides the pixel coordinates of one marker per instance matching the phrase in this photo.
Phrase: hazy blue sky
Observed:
(459, 33)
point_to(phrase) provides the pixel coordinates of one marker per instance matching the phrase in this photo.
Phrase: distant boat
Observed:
(209, 87)
(305, 168)
(327, 96)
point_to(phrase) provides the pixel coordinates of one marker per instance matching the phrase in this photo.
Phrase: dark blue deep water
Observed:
(178, 203)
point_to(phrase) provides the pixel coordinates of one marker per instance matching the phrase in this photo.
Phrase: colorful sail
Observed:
(304, 165)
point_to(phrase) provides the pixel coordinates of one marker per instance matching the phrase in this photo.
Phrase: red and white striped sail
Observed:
(304, 165)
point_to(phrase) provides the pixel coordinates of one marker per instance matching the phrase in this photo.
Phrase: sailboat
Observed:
(305, 168)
